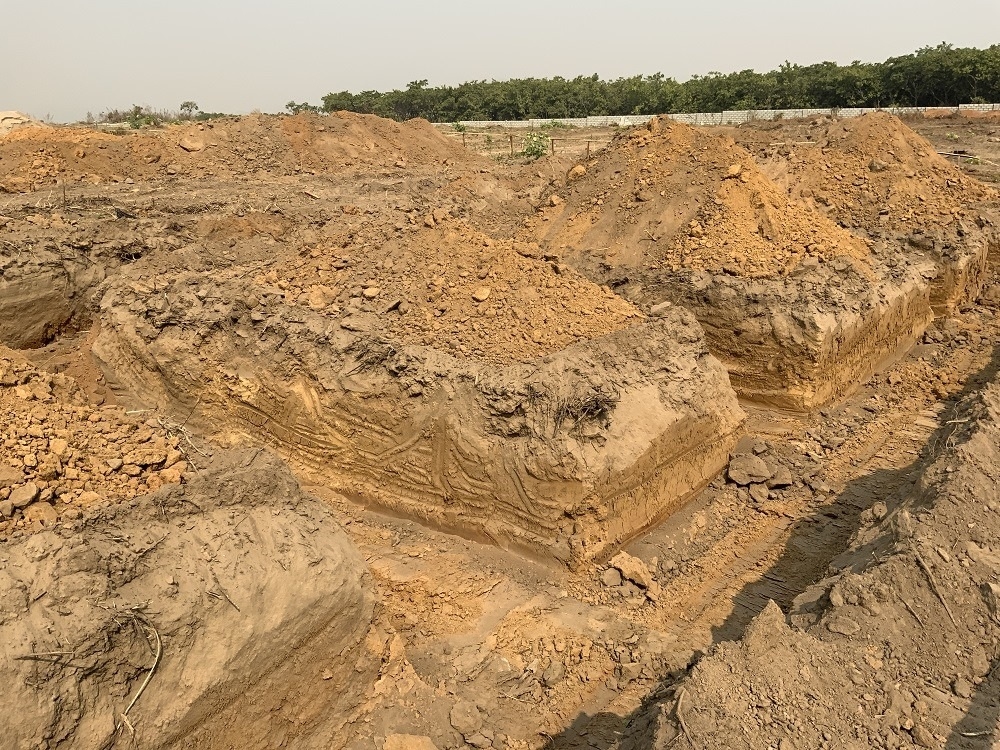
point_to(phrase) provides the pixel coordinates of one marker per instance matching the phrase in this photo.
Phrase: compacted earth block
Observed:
(322, 431)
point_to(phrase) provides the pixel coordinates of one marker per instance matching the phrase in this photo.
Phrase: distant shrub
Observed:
(535, 145)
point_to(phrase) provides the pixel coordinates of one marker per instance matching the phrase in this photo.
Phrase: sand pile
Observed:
(671, 196)
(33, 158)
(60, 455)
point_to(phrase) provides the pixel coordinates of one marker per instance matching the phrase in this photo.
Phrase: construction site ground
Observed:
(468, 643)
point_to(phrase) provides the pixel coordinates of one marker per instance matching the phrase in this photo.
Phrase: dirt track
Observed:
(440, 344)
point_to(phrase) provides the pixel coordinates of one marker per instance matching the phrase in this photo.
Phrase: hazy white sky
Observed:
(63, 58)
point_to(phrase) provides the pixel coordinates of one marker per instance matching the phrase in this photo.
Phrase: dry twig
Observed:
(141, 619)
(937, 592)
(681, 694)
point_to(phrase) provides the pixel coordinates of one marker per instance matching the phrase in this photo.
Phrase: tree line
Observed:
(941, 76)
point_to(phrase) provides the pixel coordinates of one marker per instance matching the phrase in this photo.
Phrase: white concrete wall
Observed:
(720, 118)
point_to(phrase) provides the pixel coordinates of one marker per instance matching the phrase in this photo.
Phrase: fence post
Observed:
(463, 138)
(511, 136)
(588, 150)
(552, 146)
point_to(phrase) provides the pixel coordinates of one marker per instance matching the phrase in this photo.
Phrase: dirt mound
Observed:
(62, 456)
(165, 617)
(10, 121)
(799, 309)
(563, 455)
(451, 287)
(897, 648)
(875, 176)
(671, 196)
(33, 158)
(870, 172)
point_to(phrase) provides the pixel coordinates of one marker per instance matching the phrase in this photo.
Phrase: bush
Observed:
(535, 145)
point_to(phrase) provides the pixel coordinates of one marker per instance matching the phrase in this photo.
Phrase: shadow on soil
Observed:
(814, 543)
(978, 728)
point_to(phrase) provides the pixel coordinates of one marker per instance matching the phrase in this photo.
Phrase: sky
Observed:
(65, 58)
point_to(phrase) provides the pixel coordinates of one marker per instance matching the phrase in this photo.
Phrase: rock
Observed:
(759, 492)
(659, 309)
(191, 144)
(555, 200)
(174, 474)
(611, 577)
(876, 165)
(408, 742)
(439, 215)
(6, 508)
(58, 447)
(466, 719)
(479, 740)
(961, 687)
(734, 171)
(145, 455)
(842, 625)
(115, 464)
(633, 569)
(89, 498)
(746, 470)
(21, 497)
(43, 513)
(371, 292)
(481, 294)
(643, 196)
(922, 736)
(553, 674)
(576, 172)
(429, 221)
(782, 477)
(9, 476)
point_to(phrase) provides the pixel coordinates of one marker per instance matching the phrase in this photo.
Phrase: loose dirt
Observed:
(557, 519)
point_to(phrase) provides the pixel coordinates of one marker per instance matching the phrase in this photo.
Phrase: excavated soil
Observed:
(481, 370)
(896, 648)
(801, 306)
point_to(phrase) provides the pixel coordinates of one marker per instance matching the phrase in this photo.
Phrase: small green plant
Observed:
(536, 145)
(951, 136)
(459, 127)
